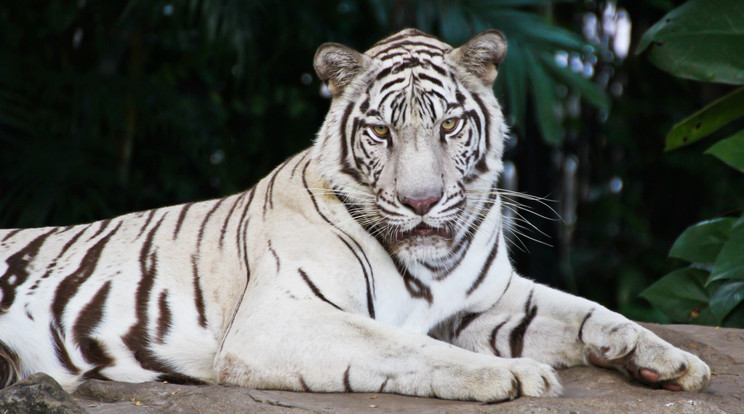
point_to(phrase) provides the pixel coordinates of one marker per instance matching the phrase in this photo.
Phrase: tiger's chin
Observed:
(422, 242)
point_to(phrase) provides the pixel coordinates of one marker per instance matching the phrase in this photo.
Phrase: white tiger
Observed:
(374, 261)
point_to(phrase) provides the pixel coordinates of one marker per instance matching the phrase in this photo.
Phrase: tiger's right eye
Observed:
(381, 131)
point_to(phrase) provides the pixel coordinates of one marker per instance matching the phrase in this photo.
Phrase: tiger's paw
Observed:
(506, 379)
(533, 379)
(648, 359)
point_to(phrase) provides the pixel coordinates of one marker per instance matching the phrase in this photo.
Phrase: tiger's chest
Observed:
(304, 245)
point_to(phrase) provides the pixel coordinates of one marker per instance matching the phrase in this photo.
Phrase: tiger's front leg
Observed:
(535, 321)
(308, 345)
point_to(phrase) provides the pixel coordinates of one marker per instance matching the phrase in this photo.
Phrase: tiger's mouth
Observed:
(424, 230)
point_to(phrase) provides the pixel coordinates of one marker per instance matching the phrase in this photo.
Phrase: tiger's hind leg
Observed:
(532, 320)
(311, 346)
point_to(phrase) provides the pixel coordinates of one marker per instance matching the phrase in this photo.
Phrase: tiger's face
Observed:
(413, 138)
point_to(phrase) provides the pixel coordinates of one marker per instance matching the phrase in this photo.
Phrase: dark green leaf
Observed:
(702, 242)
(513, 79)
(701, 40)
(726, 298)
(680, 295)
(453, 25)
(735, 318)
(545, 101)
(730, 150)
(516, 3)
(730, 262)
(707, 120)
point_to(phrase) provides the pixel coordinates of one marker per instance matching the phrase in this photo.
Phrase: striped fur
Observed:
(354, 266)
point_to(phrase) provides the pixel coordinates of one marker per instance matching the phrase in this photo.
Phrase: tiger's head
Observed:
(413, 140)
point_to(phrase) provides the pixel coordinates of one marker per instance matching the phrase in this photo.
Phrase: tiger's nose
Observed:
(421, 207)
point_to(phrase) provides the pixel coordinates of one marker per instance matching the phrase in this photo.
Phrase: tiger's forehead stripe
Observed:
(406, 40)
(403, 35)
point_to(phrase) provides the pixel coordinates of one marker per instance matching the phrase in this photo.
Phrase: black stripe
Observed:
(481, 165)
(11, 234)
(516, 338)
(440, 70)
(90, 317)
(303, 384)
(104, 224)
(415, 287)
(177, 378)
(581, 328)
(430, 79)
(147, 223)
(68, 288)
(18, 266)
(204, 222)
(59, 348)
(276, 257)
(65, 229)
(66, 247)
(299, 162)
(466, 320)
(269, 194)
(198, 295)
(409, 43)
(244, 247)
(516, 386)
(137, 339)
(347, 382)
(370, 304)
(181, 216)
(345, 145)
(492, 339)
(240, 235)
(384, 383)
(53, 264)
(381, 74)
(227, 221)
(92, 350)
(407, 63)
(407, 34)
(164, 318)
(315, 289)
(486, 265)
(390, 83)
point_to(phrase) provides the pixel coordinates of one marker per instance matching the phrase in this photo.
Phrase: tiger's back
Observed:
(125, 298)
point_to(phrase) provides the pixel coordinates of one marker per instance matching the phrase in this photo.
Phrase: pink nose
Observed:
(421, 207)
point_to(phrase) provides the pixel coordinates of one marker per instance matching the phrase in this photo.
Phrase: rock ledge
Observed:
(586, 390)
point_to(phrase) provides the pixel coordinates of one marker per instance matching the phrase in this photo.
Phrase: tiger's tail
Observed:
(9, 369)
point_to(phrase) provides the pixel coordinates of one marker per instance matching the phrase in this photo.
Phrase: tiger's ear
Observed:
(482, 54)
(338, 65)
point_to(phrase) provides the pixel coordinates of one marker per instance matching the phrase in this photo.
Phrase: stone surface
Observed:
(38, 393)
(586, 390)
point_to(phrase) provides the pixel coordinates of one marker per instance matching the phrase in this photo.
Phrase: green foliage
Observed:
(110, 107)
(683, 296)
(730, 150)
(702, 41)
(702, 242)
(707, 120)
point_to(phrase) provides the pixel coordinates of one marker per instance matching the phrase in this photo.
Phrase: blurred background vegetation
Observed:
(118, 106)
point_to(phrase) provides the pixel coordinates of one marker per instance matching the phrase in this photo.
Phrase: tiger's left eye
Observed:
(450, 124)
(381, 130)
